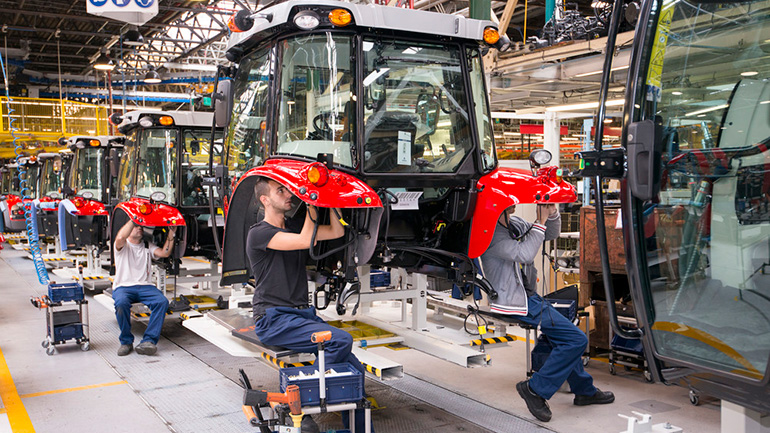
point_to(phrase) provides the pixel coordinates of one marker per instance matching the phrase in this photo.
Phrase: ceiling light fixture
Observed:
(707, 110)
(104, 62)
(749, 73)
(586, 106)
(587, 74)
(675, 93)
(152, 77)
(132, 37)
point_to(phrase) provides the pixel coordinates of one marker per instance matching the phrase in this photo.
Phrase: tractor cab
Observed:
(52, 173)
(381, 112)
(10, 205)
(89, 190)
(160, 181)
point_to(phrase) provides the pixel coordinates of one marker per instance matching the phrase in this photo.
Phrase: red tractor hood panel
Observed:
(506, 187)
(161, 215)
(88, 208)
(340, 191)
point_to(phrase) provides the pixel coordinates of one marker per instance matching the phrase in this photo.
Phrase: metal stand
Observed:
(738, 419)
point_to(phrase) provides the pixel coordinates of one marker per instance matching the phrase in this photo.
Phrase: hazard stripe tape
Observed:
(375, 371)
(494, 340)
(168, 313)
(87, 278)
(55, 259)
(281, 364)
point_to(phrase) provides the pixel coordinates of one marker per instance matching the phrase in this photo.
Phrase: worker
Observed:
(277, 248)
(133, 283)
(509, 266)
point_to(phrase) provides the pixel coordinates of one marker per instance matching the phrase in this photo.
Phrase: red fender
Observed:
(10, 201)
(506, 187)
(154, 215)
(341, 190)
(85, 207)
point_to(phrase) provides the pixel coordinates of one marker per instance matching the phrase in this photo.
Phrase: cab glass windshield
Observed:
(31, 175)
(246, 145)
(316, 106)
(707, 234)
(86, 174)
(156, 163)
(51, 183)
(416, 116)
(195, 164)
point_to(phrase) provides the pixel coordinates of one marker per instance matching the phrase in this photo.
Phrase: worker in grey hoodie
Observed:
(509, 266)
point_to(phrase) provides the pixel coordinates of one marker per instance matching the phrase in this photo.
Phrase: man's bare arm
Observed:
(284, 241)
(123, 234)
(162, 253)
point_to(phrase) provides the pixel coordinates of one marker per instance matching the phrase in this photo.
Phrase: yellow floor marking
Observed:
(2, 410)
(197, 259)
(77, 388)
(17, 413)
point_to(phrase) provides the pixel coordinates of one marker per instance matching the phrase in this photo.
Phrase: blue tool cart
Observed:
(63, 322)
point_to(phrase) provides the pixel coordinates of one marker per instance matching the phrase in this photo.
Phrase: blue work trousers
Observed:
(565, 361)
(148, 295)
(291, 328)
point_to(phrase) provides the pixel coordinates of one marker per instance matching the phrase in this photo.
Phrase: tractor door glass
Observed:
(14, 182)
(416, 115)
(127, 168)
(707, 234)
(29, 187)
(195, 165)
(51, 182)
(316, 112)
(156, 163)
(6, 182)
(246, 140)
(481, 107)
(88, 172)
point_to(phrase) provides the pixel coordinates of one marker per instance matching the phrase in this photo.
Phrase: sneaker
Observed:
(537, 405)
(146, 348)
(125, 349)
(599, 397)
(308, 425)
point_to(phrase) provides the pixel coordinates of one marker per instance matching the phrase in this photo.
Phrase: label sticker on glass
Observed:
(404, 148)
(407, 200)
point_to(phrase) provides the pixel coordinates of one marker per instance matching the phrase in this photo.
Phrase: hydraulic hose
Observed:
(30, 210)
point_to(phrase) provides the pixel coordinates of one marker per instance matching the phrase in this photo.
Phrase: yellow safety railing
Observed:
(49, 119)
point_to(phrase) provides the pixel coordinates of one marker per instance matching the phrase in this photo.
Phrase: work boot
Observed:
(308, 425)
(537, 405)
(125, 349)
(599, 397)
(146, 348)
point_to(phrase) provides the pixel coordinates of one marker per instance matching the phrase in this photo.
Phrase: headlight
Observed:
(307, 20)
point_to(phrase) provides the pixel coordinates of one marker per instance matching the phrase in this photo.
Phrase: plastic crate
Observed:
(72, 331)
(625, 345)
(65, 292)
(341, 389)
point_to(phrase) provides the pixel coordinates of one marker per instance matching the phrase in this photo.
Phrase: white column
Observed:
(738, 419)
(551, 136)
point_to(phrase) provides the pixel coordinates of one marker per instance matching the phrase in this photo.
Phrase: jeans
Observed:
(565, 361)
(148, 295)
(291, 328)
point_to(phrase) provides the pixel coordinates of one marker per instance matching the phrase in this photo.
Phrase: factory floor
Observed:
(190, 385)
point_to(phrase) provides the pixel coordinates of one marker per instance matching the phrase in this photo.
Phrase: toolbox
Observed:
(65, 292)
(339, 389)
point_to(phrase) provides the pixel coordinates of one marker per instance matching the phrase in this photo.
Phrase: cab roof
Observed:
(104, 140)
(181, 118)
(370, 16)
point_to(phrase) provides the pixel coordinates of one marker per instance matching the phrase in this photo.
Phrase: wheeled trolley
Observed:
(628, 353)
(64, 323)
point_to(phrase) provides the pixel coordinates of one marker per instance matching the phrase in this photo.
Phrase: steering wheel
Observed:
(322, 131)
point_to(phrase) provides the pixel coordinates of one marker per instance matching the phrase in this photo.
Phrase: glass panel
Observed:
(156, 163)
(31, 176)
(316, 110)
(415, 108)
(481, 107)
(708, 232)
(52, 177)
(87, 172)
(195, 165)
(14, 180)
(246, 141)
(127, 168)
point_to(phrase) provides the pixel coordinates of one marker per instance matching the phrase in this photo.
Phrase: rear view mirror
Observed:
(114, 163)
(223, 101)
(195, 147)
(428, 108)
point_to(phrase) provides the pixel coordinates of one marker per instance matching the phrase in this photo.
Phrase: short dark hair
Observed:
(262, 187)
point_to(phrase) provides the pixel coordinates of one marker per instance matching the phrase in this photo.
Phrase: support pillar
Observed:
(552, 136)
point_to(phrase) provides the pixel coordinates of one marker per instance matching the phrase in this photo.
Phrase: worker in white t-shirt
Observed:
(133, 283)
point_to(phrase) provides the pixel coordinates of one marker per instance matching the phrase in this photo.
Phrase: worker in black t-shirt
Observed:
(277, 249)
